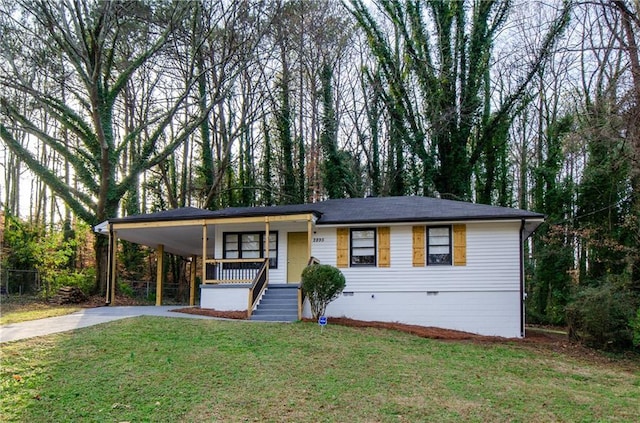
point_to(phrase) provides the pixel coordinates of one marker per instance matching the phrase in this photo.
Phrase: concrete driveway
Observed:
(84, 318)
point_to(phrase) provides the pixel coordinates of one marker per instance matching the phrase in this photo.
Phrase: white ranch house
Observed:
(415, 260)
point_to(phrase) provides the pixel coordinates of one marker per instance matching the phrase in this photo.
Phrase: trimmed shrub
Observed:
(600, 317)
(321, 284)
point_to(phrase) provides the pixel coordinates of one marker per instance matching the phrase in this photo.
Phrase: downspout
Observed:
(522, 293)
(192, 280)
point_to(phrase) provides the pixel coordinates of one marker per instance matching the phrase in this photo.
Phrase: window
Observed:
(248, 245)
(363, 247)
(273, 250)
(439, 245)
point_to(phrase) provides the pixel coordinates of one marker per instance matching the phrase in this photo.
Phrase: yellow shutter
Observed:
(459, 245)
(418, 246)
(384, 246)
(342, 251)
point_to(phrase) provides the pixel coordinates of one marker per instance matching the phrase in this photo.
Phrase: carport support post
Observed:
(114, 267)
(192, 281)
(204, 253)
(111, 266)
(159, 273)
(266, 229)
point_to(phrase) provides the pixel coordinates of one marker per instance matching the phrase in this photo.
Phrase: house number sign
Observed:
(318, 239)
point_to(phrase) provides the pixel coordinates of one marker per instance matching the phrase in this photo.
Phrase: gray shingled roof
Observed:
(412, 209)
(355, 211)
(182, 213)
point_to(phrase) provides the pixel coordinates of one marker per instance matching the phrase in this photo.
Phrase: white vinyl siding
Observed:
(482, 296)
(493, 313)
(493, 262)
(324, 244)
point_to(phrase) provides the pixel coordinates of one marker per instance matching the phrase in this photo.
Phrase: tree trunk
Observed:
(631, 27)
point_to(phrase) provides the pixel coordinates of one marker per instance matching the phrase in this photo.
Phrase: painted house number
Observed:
(318, 239)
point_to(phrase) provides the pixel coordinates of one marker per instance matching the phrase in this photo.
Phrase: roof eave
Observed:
(200, 218)
(419, 220)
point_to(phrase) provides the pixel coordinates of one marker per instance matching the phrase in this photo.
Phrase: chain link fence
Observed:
(146, 291)
(28, 282)
(20, 282)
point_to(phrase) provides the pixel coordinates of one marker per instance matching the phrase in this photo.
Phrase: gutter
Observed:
(423, 220)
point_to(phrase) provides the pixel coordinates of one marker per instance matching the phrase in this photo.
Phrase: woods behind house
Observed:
(119, 108)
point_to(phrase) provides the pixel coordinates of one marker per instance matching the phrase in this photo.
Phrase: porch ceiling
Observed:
(181, 240)
(182, 235)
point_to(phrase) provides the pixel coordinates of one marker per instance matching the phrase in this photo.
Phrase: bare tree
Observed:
(94, 43)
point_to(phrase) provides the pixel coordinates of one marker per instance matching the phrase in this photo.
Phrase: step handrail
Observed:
(258, 286)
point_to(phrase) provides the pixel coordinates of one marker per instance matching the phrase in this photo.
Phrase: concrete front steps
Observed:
(279, 303)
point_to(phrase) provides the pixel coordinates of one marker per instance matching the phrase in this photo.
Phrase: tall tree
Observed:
(333, 168)
(449, 73)
(225, 39)
(283, 108)
(93, 41)
(629, 39)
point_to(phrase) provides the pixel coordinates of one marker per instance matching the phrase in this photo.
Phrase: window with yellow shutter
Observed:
(342, 248)
(363, 247)
(439, 245)
(384, 246)
(418, 246)
(445, 245)
(460, 245)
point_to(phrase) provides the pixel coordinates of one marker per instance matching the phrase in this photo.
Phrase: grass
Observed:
(17, 309)
(159, 369)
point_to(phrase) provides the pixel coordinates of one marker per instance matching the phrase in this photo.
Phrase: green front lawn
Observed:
(14, 310)
(167, 370)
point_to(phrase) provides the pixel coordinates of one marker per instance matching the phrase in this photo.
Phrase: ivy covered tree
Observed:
(603, 199)
(337, 172)
(93, 43)
(550, 286)
(448, 72)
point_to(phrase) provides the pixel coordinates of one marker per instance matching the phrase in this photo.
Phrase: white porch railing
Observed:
(228, 271)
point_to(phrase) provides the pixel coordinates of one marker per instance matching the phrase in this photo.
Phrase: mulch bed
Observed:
(237, 315)
(421, 331)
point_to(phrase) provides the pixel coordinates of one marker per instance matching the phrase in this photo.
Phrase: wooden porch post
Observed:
(111, 266)
(192, 282)
(309, 237)
(114, 266)
(266, 241)
(204, 252)
(159, 273)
